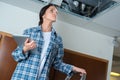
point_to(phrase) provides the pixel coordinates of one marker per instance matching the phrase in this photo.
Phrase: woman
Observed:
(43, 50)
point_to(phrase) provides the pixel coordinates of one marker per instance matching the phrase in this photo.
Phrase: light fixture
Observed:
(83, 6)
(115, 74)
(76, 3)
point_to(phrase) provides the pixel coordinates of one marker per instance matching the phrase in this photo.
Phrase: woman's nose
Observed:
(55, 13)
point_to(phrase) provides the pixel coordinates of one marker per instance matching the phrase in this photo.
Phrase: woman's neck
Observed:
(46, 27)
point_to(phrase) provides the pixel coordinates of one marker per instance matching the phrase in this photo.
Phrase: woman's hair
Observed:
(42, 12)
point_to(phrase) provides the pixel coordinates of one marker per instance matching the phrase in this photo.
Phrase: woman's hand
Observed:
(29, 45)
(79, 70)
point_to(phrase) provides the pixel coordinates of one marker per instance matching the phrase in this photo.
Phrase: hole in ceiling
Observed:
(87, 8)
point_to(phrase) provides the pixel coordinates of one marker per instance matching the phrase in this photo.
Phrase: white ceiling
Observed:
(110, 19)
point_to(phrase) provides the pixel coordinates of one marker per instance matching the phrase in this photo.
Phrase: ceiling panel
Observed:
(110, 18)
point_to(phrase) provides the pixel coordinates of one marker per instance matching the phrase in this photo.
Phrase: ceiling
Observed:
(107, 22)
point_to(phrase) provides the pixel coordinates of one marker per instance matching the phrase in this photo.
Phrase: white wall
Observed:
(14, 20)
(85, 41)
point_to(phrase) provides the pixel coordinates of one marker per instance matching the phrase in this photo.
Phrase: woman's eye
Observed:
(51, 10)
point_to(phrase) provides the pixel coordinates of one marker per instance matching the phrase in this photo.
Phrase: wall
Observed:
(86, 41)
(14, 20)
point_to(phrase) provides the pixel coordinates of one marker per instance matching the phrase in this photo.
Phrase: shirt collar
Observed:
(39, 28)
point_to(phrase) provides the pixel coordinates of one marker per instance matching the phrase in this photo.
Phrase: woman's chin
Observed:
(53, 20)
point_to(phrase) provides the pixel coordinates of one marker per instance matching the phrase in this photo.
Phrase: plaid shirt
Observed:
(29, 63)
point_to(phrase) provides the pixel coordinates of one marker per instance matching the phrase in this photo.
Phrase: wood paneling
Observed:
(96, 67)
(7, 64)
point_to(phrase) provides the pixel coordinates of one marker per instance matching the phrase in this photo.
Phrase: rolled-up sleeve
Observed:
(18, 54)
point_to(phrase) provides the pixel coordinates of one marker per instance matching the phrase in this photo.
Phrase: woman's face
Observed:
(50, 14)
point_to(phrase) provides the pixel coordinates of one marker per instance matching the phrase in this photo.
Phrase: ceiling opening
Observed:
(87, 8)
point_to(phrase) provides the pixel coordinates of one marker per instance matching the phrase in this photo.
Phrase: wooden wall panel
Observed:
(96, 67)
(7, 64)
